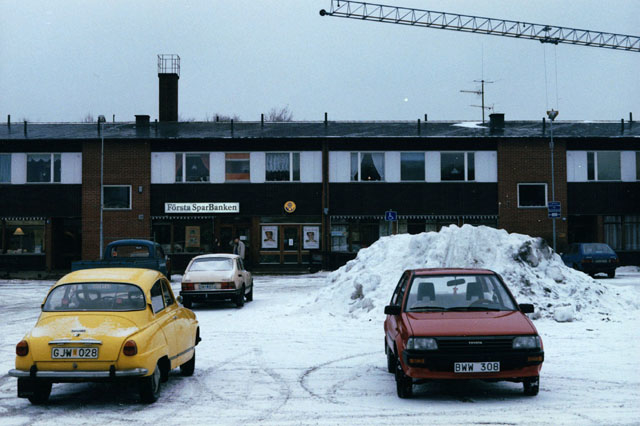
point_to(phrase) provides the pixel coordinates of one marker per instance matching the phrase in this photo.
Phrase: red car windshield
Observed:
(458, 292)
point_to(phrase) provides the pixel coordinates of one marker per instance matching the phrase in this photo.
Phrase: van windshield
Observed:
(458, 293)
(95, 297)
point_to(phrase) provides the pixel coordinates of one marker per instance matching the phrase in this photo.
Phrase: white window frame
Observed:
(424, 159)
(119, 208)
(546, 195)
(466, 166)
(52, 171)
(290, 166)
(8, 154)
(184, 167)
(384, 159)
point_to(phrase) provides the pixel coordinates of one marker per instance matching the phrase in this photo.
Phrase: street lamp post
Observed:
(552, 116)
(101, 121)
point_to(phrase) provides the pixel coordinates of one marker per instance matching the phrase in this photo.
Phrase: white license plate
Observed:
(209, 286)
(476, 367)
(74, 353)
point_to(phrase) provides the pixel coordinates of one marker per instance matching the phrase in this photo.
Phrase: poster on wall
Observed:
(311, 235)
(192, 236)
(269, 237)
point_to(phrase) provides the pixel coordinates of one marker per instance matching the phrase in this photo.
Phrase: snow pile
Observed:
(528, 265)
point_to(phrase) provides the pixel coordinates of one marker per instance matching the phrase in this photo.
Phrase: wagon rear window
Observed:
(95, 297)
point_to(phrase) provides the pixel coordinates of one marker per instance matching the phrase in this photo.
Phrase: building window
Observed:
(367, 166)
(603, 165)
(192, 167)
(22, 237)
(532, 195)
(412, 166)
(613, 231)
(282, 166)
(237, 167)
(631, 233)
(638, 165)
(5, 168)
(457, 166)
(117, 197)
(43, 168)
(339, 234)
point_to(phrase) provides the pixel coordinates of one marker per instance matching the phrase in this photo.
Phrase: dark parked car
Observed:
(130, 254)
(459, 324)
(591, 258)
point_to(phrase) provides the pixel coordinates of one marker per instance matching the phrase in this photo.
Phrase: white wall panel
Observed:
(163, 167)
(392, 166)
(257, 167)
(217, 167)
(486, 166)
(339, 166)
(628, 165)
(18, 168)
(71, 167)
(311, 166)
(433, 166)
(576, 166)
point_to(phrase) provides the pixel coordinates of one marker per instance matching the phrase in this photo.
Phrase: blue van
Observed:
(591, 258)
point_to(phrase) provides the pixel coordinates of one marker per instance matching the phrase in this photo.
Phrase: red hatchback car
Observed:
(459, 324)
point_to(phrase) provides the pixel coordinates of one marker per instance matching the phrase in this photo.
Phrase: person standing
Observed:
(238, 247)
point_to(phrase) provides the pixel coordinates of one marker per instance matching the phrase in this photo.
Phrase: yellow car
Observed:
(105, 325)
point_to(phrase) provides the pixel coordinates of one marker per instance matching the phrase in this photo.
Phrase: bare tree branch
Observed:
(279, 114)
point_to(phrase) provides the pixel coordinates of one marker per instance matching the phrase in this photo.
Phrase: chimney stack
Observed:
(496, 121)
(168, 75)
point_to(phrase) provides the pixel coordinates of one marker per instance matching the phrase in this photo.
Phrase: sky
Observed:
(61, 60)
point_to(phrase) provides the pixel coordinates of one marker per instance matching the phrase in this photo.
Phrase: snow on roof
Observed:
(530, 268)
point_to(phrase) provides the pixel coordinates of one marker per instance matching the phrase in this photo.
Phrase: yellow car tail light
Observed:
(130, 348)
(22, 348)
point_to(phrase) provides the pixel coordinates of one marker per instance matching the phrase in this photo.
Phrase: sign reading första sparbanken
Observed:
(202, 207)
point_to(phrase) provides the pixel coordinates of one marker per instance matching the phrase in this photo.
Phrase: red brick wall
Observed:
(529, 161)
(126, 162)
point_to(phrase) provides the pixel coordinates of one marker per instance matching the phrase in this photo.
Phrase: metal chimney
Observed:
(168, 75)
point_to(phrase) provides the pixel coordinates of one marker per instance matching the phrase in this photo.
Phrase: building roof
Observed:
(333, 129)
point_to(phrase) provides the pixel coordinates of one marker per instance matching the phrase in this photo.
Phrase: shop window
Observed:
(282, 167)
(367, 166)
(23, 237)
(117, 197)
(613, 231)
(5, 168)
(457, 166)
(190, 236)
(237, 168)
(631, 235)
(192, 167)
(603, 165)
(339, 235)
(43, 168)
(412, 166)
(532, 195)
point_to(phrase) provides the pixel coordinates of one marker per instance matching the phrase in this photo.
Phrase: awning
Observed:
(425, 217)
(190, 217)
(23, 218)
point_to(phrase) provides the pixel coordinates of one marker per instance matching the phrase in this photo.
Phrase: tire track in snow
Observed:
(302, 380)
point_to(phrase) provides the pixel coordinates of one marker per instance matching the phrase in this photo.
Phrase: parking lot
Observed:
(284, 360)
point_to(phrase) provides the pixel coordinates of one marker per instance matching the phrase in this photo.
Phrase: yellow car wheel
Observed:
(150, 387)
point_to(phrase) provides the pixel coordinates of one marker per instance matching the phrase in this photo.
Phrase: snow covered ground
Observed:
(279, 362)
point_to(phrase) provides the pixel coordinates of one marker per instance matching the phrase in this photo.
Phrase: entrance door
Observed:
(291, 244)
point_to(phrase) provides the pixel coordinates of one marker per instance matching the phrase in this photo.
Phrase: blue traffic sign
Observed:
(390, 216)
(554, 208)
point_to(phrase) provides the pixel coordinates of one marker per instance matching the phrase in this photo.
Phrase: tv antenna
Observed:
(480, 93)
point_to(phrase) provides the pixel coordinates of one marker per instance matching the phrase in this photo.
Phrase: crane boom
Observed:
(482, 25)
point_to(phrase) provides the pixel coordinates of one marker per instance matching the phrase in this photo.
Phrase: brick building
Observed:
(187, 185)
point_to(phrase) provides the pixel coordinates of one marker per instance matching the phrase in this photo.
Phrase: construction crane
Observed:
(481, 25)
